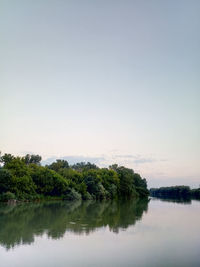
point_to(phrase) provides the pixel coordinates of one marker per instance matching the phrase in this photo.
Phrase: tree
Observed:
(23, 187)
(138, 181)
(110, 181)
(94, 185)
(5, 180)
(35, 159)
(82, 166)
(171, 191)
(27, 179)
(126, 185)
(17, 167)
(6, 158)
(48, 182)
(59, 164)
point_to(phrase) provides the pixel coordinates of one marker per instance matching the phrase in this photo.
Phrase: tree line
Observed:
(23, 178)
(175, 192)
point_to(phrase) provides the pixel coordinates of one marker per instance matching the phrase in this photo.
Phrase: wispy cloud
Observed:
(146, 165)
(136, 159)
(105, 160)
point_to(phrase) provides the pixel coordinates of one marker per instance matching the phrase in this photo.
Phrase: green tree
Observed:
(17, 167)
(82, 166)
(48, 182)
(5, 180)
(6, 158)
(27, 179)
(110, 181)
(35, 159)
(18, 178)
(23, 187)
(59, 164)
(93, 181)
(126, 182)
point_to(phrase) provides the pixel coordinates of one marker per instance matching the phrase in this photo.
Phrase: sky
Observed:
(104, 81)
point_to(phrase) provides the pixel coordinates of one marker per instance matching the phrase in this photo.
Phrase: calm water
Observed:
(132, 233)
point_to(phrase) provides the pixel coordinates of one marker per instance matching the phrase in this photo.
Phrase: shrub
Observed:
(7, 196)
(72, 194)
(5, 180)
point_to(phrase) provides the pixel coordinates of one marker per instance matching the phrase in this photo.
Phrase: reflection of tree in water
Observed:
(19, 224)
(186, 200)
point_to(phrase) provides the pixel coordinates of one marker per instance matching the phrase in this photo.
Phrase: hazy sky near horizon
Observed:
(112, 81)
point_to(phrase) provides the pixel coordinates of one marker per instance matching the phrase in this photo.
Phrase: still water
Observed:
(129, 233)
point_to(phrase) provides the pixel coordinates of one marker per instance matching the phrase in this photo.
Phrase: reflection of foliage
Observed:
(177, 200)
(19, 224)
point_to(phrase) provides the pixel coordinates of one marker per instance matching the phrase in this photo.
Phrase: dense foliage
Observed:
(23, 178)
(175, 192)
(195, 193)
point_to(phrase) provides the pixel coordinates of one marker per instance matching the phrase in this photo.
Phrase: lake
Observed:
(109, 233)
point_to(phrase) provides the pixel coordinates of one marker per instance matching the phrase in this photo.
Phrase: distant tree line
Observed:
(23, 178)
(175, 192)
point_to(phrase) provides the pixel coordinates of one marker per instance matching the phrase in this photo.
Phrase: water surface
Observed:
(110, 233)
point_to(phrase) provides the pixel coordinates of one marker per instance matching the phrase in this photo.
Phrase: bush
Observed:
(195, 193)
(5, 180)
(143, 192)
(48, 182)
(23, 187)
(7, 196)
(72, 194)
(87, 196)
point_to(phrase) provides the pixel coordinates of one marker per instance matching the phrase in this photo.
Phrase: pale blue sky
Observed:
(113, 81)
